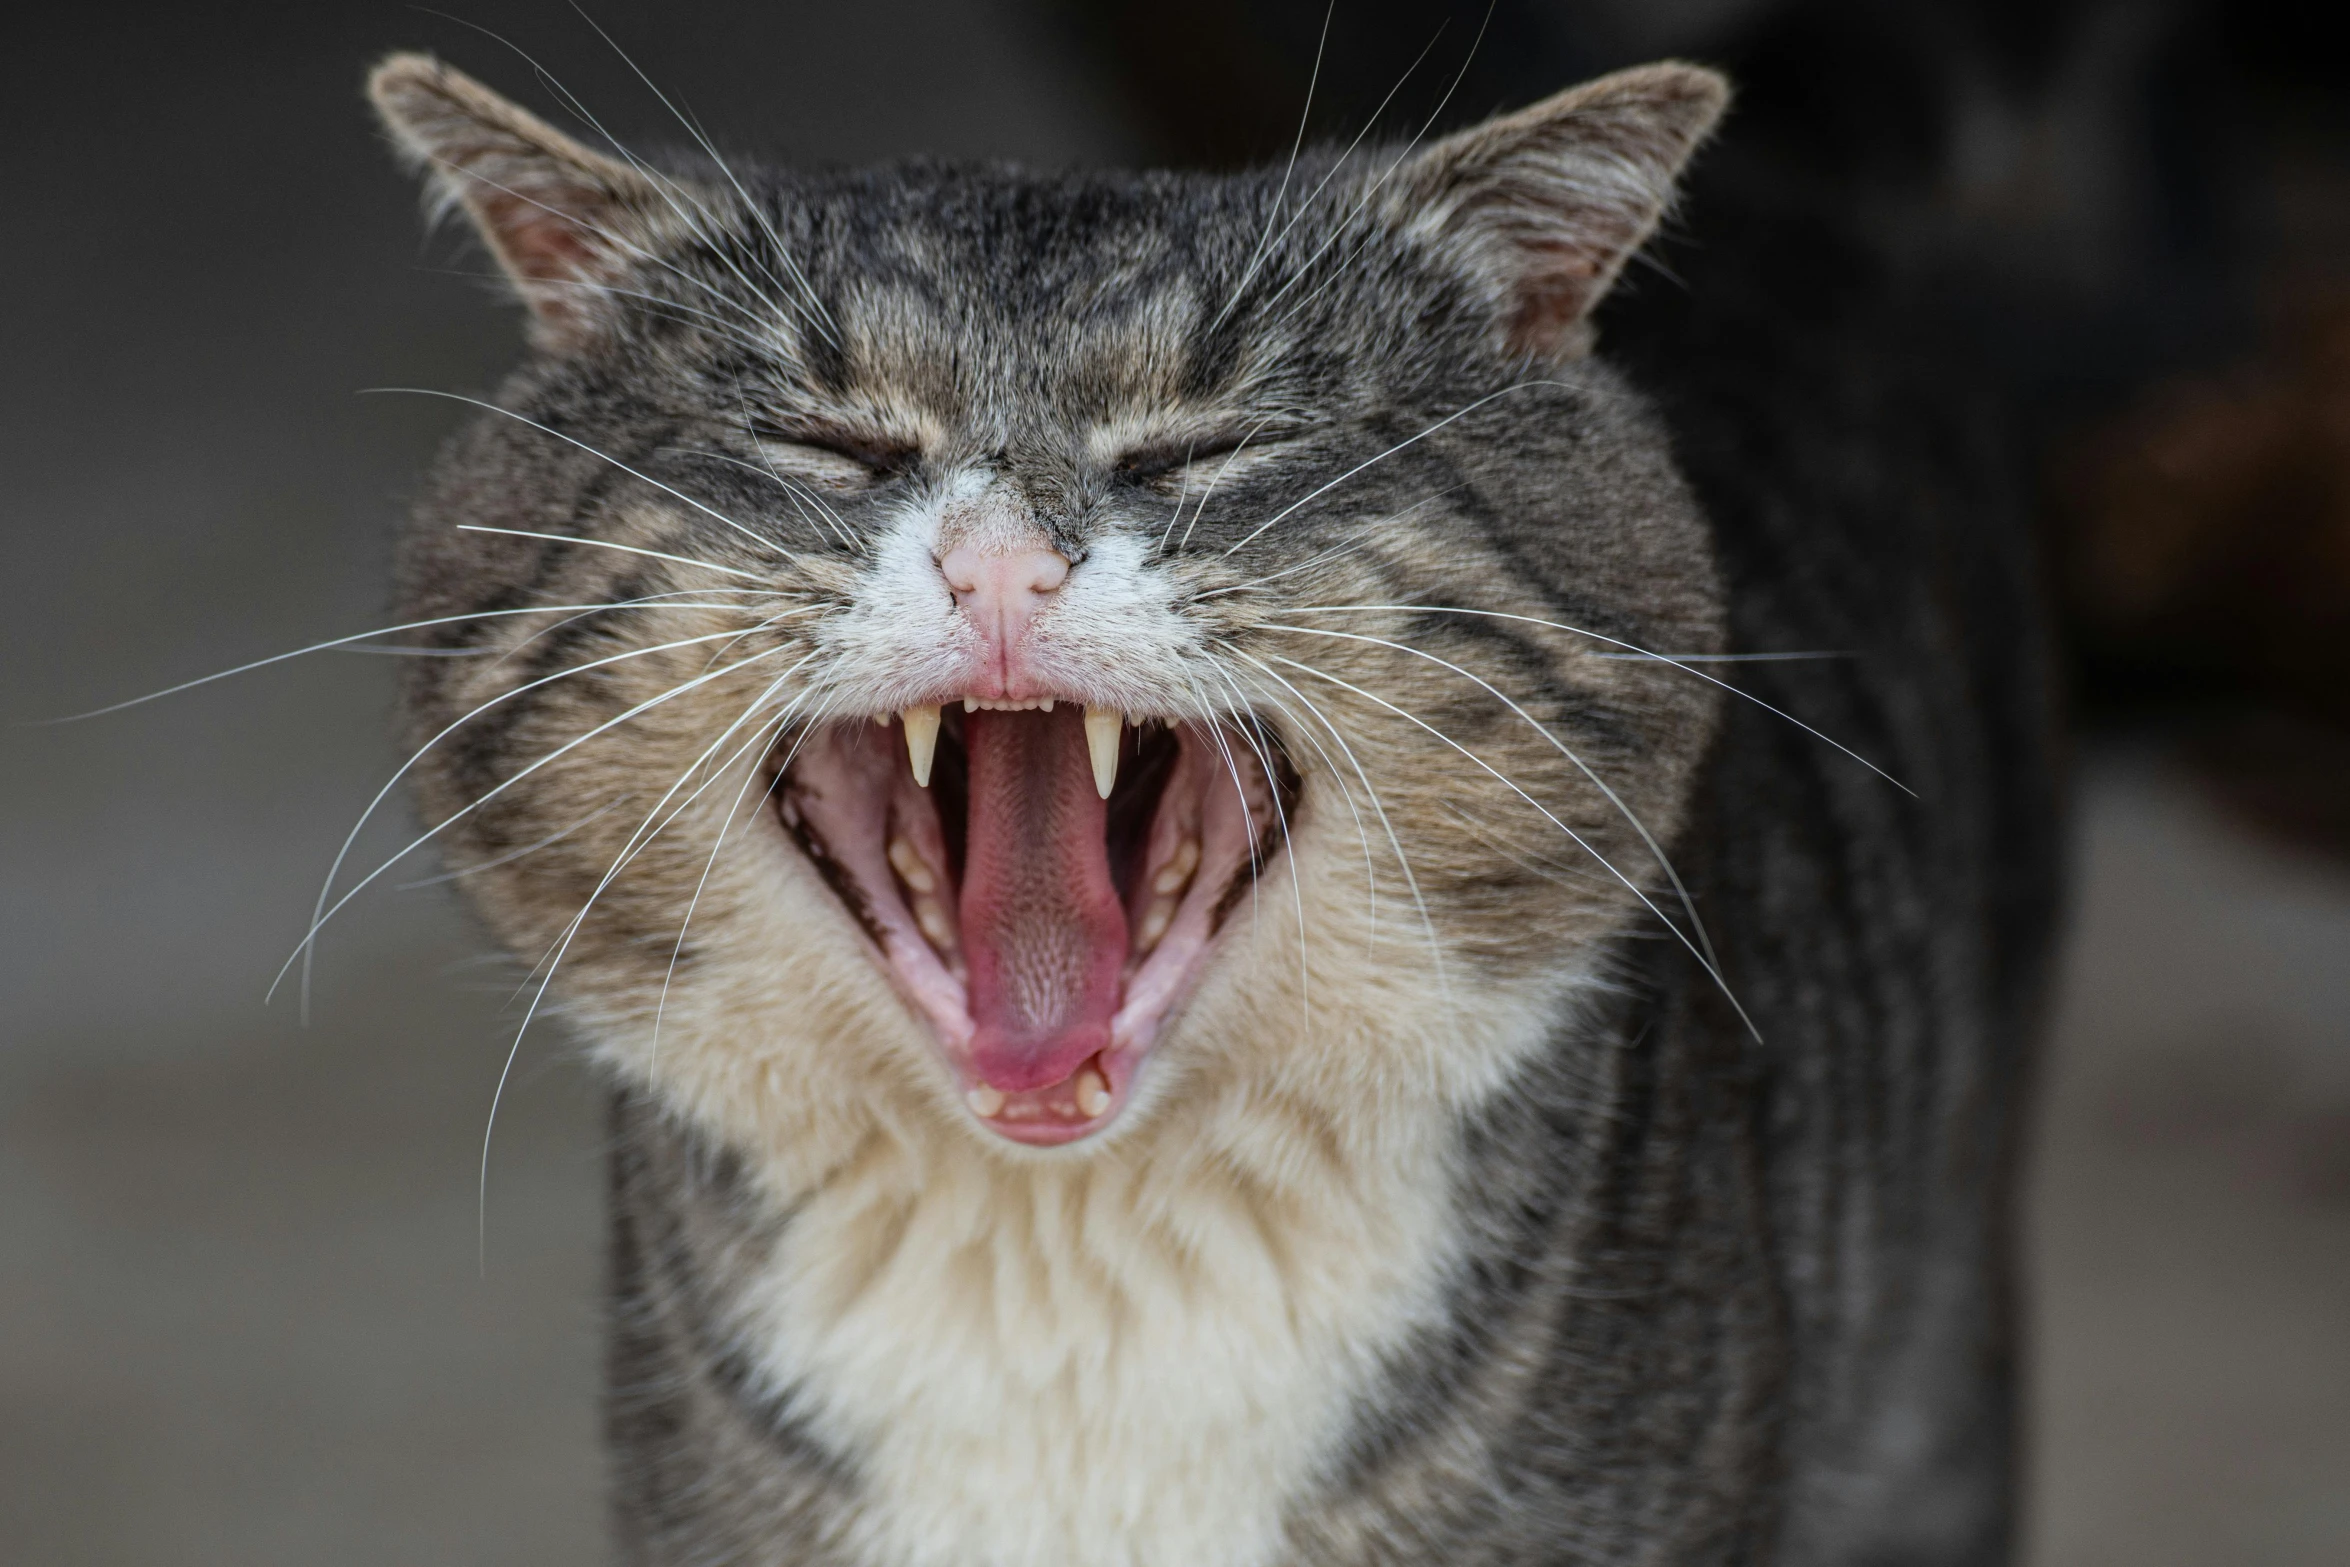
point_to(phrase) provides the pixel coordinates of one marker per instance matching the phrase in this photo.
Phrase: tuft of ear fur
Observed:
(1547, 204)
(560, 219)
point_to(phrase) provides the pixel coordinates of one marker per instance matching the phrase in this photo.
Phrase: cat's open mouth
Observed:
(1048, 887)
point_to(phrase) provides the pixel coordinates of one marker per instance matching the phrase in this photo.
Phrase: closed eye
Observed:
(829, 455)
(1164, 460)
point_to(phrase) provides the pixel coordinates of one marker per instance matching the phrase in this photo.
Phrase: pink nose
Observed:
(1001, 593)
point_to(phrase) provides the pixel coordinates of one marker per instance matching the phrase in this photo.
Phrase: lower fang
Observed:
(986, 1103)
(1093, 1095)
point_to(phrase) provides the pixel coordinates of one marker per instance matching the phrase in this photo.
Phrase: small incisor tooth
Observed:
(921, 739)
(986, 1103)
(1155, 921)
(1093, 1095)
(933, 919)
(1103, 726)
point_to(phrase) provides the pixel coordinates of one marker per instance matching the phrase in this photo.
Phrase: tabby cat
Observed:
(1210, 941)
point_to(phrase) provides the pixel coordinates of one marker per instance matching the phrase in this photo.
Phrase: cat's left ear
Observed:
(1547, 204)
(565, 223)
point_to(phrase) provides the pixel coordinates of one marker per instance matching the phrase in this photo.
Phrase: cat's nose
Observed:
(1001, 591)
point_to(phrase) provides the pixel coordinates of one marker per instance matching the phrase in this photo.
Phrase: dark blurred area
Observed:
(249, 1311)
(2135, 214)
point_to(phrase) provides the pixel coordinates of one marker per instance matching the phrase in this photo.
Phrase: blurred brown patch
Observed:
(2208, 528)
(2204, 540)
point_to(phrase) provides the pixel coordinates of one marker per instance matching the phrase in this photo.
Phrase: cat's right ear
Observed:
(1544, 206)
(564, 222)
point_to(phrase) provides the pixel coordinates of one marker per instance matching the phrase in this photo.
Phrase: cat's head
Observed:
(963, 652)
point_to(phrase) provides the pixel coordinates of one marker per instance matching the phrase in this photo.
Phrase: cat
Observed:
(1217, 926)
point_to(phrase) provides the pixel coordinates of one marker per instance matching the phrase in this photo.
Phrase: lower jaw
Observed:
(1080, 1105)
(885, 846)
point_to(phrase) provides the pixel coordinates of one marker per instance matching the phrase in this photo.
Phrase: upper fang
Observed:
(922, 739)
(1102, 727)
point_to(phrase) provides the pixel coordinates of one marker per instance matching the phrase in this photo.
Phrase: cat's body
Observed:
(1398, 1185)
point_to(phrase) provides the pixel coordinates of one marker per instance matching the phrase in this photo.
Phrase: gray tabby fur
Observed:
(1635, 1281)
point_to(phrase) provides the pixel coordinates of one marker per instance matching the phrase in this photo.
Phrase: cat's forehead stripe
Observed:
(920, 359)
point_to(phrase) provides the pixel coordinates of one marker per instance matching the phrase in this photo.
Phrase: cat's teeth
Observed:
(1093, 1095)
(912, 869)
(1155, 921)
(995, 704)
(1176, 871)
(986, 1103)
(921, 739)
(1102, 728)
(932, 917)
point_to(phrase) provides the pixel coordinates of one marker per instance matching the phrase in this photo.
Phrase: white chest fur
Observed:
(1115, 1362)
(1137, 1355)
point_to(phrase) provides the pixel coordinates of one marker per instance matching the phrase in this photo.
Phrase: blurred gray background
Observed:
(246, 1314)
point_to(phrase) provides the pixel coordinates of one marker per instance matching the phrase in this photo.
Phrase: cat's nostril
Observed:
(981, 574)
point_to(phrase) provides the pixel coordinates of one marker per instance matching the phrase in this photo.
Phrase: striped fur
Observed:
(1481, 1204)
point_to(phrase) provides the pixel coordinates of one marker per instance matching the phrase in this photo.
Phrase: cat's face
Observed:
(1046, 655)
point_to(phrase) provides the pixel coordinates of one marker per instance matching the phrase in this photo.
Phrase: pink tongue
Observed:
(1044, 935)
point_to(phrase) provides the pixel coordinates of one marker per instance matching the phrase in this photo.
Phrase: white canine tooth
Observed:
(1177, 871)
(986, 1103)
(1102, 728)
(921, 739)
(912, 869)
(1093, 1095)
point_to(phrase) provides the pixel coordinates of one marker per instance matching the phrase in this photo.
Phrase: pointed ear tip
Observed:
(1698, 92)
(1705, 90)
(397, 75)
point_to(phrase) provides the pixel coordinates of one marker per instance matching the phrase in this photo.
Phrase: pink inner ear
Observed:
(1554, 291)
(537, 244)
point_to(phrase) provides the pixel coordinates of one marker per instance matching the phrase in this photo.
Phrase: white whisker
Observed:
(338, 642)
(1341, 227)
(1332, 173)
(1371, 462)
(687, 210)
(725, 826)
(1506, 782)
(1664, 861)
(1273, 214)
(813, 307)
(1255, 743)
(510, 856)
(1378, 809)
(459, 397)
(606, 544)
(1319, 557)
(321, 914)
(1209, 494)
(627, 855)
(1632, 649)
